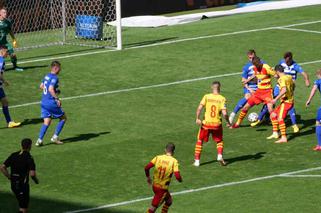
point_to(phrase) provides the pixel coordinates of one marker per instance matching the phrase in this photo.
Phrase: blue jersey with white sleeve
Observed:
(292, 70)
(248, 72)
(49, 80)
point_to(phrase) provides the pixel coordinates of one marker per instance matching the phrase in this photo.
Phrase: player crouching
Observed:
(215, 106)
(51, 105)
(286, 85)
(165, 166)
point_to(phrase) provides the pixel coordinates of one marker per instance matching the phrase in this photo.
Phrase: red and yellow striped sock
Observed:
(150, 211)
(219, 147)
(275, 124)
(282, 128)
(241, 117)
(198, 150)
(165, 208)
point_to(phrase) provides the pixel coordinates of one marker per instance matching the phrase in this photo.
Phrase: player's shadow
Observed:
(137, 44)
(25, 68)
(31, 121)
(84, 137)
(307, 124)
(229, 161)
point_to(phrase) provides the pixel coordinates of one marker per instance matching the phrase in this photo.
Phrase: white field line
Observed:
(197, 190)
(167, 42)
(301, 176)
(299, 30)
(147, 87)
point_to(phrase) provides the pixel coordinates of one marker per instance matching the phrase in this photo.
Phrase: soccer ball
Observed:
(253, 117)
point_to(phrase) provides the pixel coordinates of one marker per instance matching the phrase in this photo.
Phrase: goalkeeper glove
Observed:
(14, 43)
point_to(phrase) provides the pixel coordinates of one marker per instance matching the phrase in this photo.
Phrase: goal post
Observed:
(92, 23)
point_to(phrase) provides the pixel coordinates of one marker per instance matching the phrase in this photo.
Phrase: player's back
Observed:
(286, 81)
(165, 166)
(214, 104)
(49, 80)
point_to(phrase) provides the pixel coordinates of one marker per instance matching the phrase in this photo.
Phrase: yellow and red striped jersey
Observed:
(264, 76)
(287, 82)
(214, 104)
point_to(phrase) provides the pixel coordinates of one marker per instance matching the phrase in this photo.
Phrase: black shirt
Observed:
(20, 163)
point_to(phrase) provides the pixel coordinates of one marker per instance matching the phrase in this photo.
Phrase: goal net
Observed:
(38, 23)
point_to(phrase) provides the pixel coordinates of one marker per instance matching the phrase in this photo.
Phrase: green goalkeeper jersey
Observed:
(5, 28)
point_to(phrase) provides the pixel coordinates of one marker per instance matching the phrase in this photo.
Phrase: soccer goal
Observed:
(39, 23)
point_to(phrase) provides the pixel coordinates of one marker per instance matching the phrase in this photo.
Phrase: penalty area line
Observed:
(124, 203)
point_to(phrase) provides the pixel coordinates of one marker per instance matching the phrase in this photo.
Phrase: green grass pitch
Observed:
(109, 138)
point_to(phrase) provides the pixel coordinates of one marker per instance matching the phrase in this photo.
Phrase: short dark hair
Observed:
(26, 143)
(170, 147)
(279, 68)
(288, 55)
(256, 59)
(216, 83)
(251, 51)
(55, 63)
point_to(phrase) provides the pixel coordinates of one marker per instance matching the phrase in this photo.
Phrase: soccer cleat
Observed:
(317, 148)
(295, 128)
(221, 160)
(39, 142)
(19, 69)
(56, 140)
(232, 116)
(235, 126)
(13, 124)
(254, 124)
(274, 135)
(196, 163)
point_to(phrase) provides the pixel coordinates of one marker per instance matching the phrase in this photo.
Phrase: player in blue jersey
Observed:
(317, 86)
(290, 68)
(51, 105)
(249, 88)
(3, 82)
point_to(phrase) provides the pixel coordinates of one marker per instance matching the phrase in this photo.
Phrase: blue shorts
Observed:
(318, 119)
(2, 94)
(246, 91)
(51, 111)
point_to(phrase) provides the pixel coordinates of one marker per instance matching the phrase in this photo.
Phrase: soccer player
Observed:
(249, 88)
(263, 73)
(165, 166)
(22, 166)
(290, 68)
(215, 106)
(51, 105)
(286, 85)
(5, 29)
(3, 82)
(317, 86)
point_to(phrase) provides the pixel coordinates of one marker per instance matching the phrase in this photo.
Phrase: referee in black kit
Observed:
(22, 165)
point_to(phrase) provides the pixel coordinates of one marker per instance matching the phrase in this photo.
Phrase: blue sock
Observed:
(59, 127)
(239, 105)
(43, 131)
(292, 116)
(263, 112)
(318, 133)
(5, 110)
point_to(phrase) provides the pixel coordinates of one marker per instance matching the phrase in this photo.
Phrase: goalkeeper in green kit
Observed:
(5, 29)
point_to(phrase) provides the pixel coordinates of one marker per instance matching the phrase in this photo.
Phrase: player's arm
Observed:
(306, 78)
(53, 93)
(312, 93)
(33, 176)
(198, 114)
(282, 92)
(177, 172)
(5, 171)
(41, 86)
(147, 168)
(248, 79)
(225, 115)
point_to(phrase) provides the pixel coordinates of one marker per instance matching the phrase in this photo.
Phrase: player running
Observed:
(165, 166)
(317, 86)
(286, 85)
(263, 73)
(249, 87)
(5, 29)
(215, 106)
(290, 68)
(51, 105)
(3, 97)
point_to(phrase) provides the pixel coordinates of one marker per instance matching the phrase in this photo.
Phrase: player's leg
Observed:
(13, 57)
(292, 114)
(318, 130)
(44, 127)
(158, 199)
(240, 104)
(5, 110)
(60, 126)
(275, 124)
(203, 135)
(217, 135)
(284, 109)
(244, 111)
(168, 203)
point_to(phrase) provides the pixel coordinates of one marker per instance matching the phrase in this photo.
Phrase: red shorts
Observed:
(261, 96)
(160, 196)
(217, 134)
(282, 110)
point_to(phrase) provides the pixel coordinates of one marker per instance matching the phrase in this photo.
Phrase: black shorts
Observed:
(21, 191)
